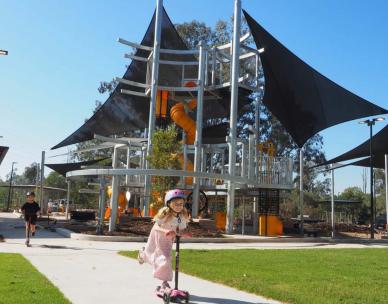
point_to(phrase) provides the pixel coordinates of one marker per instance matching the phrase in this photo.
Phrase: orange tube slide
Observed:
(179, 116)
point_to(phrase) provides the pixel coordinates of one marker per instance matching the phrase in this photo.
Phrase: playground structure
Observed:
(239, 169)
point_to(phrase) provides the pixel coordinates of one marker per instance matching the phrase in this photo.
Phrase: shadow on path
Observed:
(194, 299)
(59, 247)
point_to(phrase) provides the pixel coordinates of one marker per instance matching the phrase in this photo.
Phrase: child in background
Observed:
(30, 210)
(170, 220)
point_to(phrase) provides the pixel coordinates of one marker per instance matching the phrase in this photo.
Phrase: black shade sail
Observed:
(3, 152)
(302, 99)
(62, 169)
(379, 148)
(378, 162)
(122, 113)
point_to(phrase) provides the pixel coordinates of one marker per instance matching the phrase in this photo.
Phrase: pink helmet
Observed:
(171, 194)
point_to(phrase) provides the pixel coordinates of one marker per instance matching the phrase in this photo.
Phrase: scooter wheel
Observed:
(187, 298)
(166, 298)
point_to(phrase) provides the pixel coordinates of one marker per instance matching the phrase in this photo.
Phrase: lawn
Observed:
(21, 283)
(295, 276)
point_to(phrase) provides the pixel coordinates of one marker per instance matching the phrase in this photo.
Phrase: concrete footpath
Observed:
(93, 272)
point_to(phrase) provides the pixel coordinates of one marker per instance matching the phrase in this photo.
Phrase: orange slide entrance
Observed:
(183, 120)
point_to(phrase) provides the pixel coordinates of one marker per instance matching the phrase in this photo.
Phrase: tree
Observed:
(356, 194)
(379, 180)
(165, 155)
(193, 32)
(352, 193)
(55, 180)
(30, 174)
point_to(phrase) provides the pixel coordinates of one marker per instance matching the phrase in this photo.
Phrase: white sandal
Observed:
(140, 259)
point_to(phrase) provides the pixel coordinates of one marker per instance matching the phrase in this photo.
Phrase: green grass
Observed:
(295, 276)
(21, 283)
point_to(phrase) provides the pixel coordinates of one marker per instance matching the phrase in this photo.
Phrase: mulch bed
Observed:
(143, 226)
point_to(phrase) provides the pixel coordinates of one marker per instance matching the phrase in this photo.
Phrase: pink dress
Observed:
(158, 249)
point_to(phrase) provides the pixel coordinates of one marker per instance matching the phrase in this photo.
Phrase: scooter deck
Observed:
(172, 295)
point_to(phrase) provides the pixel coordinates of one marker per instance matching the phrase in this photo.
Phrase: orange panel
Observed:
(189, 167)
(157, 110)
(163, 109)
(220, 220)
(270, 225)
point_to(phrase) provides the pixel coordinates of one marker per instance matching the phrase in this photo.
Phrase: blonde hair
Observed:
(167, 214)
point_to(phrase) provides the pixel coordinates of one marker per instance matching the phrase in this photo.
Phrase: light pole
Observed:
(370, 123)
(10, 186)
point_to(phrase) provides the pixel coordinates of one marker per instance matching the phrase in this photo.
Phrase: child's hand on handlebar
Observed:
(171, 233)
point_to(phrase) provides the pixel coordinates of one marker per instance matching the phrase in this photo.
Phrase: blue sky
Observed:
(59, 51)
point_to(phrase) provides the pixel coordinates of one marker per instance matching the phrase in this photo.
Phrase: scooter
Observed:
(174, 295)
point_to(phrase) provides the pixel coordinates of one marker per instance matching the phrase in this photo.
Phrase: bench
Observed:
(83, 215)
(312, 231)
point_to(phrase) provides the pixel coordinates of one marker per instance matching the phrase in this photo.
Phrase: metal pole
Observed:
(257, 115)
(211, 156)
(244, 161)
(301, 189)
(101, 201)
(243, 217)
(386, 188)
(10, 187)
(67, 199)
(257, 134)
(41, 201)
(203, 162)
(255, 216)
(214, 63)
(251, 156)
(128, 164)
(374, 194)
(372, 209)
(154, 91)
(198, 133)
(233, 113)
(332, 203)
(37, 178)
(115, 190)
(143, 156)
(184, 137)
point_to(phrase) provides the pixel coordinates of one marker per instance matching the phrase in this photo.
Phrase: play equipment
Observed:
(220, 220)
(181, 118)
(122, 204)
(174, 295)
(209, 82)
(161, 106)
(202, 202)
(270, 225)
